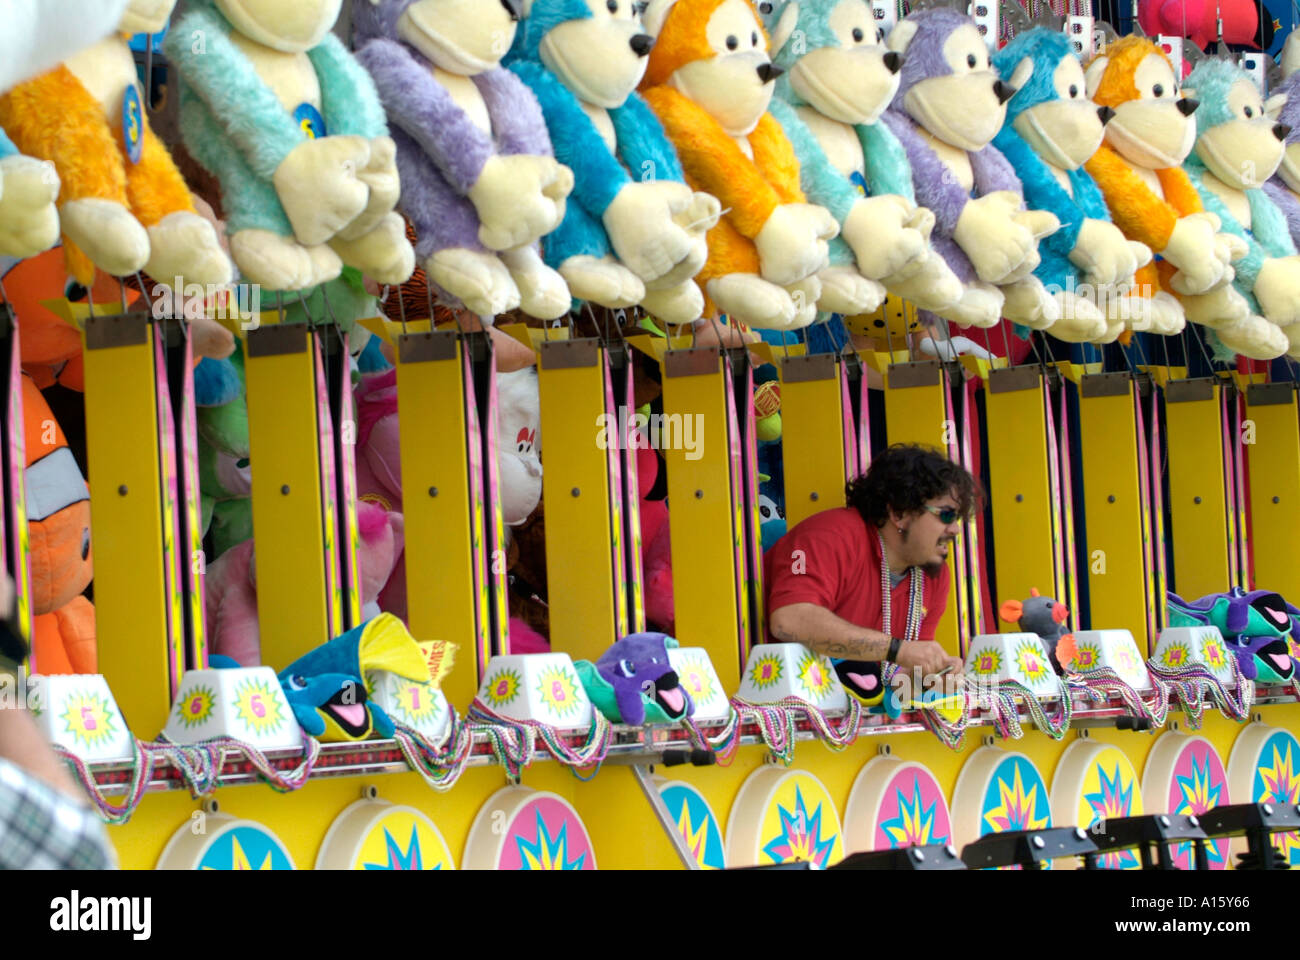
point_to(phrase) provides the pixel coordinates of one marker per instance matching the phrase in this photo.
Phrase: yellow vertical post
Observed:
(284, 449)
(575, 485)
(812, 435)
(1020, 486)
(126, 484)
(1272, 436)
(14, 537)
(440, 541)
(915, 413)
(1198, 500)
(1112, 502)
(702, 516)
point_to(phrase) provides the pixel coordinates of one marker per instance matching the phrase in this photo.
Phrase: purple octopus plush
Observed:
(1257, 625)
(645, 686)
(480, 182)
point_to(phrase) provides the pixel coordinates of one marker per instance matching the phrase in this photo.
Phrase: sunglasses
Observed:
(946, 515)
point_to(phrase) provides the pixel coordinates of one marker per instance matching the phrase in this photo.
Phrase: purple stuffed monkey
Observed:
(638, 666)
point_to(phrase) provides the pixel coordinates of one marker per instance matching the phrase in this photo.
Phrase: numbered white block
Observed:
(542, 687)
(78, 712)
(246, 704)
(421, 706)
(1116, 649)
(1184, 646)
(779, 670)
(993, 657)
(698, 678)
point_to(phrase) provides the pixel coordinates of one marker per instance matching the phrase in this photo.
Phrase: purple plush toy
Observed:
(1258, 627)
(637, 666)
(480, 182)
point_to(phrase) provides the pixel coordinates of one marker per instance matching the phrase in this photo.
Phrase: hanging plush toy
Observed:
(1150, 197)
(633, 682)
(480, 182)
(1204, 22)
(710, 81)
(1043, 616)
(1238, 148)
(1284, 188)
(123, 206)
(58, 529)
(29, 220)
(275, 108)
(1052, 128)
(948, 108)
(326, 688)
(1290, 60)
(838, 80)
(633, 232)
(1256, 626)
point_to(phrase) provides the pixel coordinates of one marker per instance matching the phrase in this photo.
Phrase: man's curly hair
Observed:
(904, 478)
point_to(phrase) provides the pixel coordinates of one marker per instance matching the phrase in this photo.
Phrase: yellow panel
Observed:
(1274, 488)
(283, 441)
(812, 436)
(701, 519)
(916, 414)
(1116, 579)
(126, 523)
(439, 544)
(579, 561)
(1020, 491)
(1198, 501)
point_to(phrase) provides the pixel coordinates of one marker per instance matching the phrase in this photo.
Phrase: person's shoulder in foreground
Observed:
(42, 829)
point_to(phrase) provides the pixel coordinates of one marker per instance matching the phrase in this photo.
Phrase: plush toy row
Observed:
(773, 182)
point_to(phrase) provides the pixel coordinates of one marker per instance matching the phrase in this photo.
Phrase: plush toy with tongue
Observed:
(480, 183)
(123, 205)
(1149, 196)
(1256, 625)
(1238, 148)
(326, 688)
(275, 107)
(634, 232)
(838, 81)
(1284, 188)
(1045, 617)
(633, 682)
(1052, 128)
(710, 82)
(947, 110)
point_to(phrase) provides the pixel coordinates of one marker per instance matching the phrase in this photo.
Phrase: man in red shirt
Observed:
(828, 588)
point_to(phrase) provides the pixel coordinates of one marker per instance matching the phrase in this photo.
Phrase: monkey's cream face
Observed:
(1153, 131)
(962, 108)
(1067, 131)
(467, 37)
(735, 85)
(293, 27)
(602, 58)
(1246, 150)
(1290, 168)
(146, 16)
(855, 81)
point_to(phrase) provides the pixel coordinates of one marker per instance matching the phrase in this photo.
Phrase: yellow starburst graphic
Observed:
(1212, 650)
(196, 706)
(696, 837)
(88, 718)
(1031, 661)
(1086, 657)
(766, 672)
(1176, 655)
(816, 676)
(417, 702)
(502, 688)
(258, 706)
(697, 681)
(987, 662)
(559, 691)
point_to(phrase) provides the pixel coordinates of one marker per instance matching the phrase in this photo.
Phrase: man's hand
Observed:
(928, 655)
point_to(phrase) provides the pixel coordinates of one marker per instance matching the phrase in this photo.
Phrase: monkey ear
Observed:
(656, 12)
(1274, 104)
(1020, 76)
(1093, 75)
(784, 27)
(901, 36)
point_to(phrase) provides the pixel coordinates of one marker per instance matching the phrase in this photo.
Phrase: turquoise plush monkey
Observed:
(1238, 148)
(837, 82)
(306, 189)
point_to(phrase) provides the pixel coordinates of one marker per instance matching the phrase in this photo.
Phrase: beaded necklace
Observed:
(916, 589)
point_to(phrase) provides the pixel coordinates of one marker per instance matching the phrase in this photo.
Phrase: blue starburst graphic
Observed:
(800, 838)
(914, 825)
(548, 854)
(1111, 803)
(399, 859)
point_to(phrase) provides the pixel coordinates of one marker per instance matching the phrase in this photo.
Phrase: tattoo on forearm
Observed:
(859, 648)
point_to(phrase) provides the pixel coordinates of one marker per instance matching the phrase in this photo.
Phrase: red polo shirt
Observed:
(833, 560)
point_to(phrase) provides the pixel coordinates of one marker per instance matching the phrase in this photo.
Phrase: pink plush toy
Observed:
(230, 600)
(656, 548)
(1196, 19)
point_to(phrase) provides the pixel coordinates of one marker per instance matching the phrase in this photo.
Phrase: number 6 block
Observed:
(78, 712)
(245, 704)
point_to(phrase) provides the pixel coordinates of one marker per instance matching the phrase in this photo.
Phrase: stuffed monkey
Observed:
(275, 108)
(480, 182)
(1290, 60)
(947, 110)
(1052, 128)
(1238, 148)
(123, 205)
(1150, 198)
(1284, 187)
(710, 81)
(634, 232)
